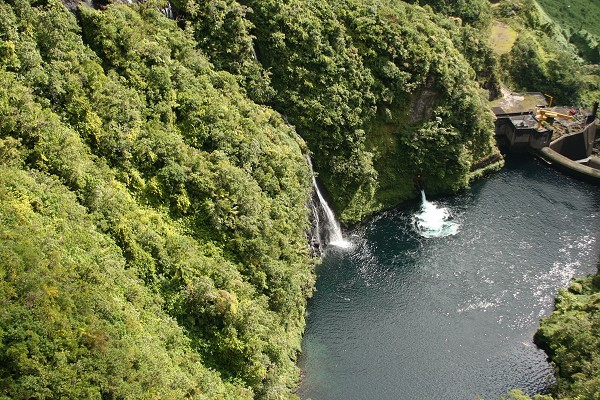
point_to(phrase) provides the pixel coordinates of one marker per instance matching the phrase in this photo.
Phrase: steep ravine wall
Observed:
(341, 71)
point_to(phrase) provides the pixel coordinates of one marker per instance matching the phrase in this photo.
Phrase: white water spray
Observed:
(433, 221)
(330, 227)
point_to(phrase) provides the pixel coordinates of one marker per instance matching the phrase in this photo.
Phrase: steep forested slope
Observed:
(382, 91)
(148, 207)
(542, 59)
(75, 323)
(578, 20)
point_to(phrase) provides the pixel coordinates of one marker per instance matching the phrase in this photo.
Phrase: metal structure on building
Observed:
(563, 136)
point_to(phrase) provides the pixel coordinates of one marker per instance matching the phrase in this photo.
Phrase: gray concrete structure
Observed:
(562, 136)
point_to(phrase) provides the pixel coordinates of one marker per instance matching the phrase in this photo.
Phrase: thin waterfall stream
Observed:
(329, 230)
(167, 11)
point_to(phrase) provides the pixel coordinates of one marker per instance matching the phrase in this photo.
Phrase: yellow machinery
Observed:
(542, 115)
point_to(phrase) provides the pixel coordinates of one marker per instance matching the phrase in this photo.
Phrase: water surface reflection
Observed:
(398, 316)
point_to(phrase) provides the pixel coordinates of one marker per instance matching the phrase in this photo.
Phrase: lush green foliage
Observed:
(578, 20)
(542, 59)
(473, 12)
(74, 322)
(189, 240)
(571, 337)
(362, 81)
(153, 215)
(165, 198)
(168, 197)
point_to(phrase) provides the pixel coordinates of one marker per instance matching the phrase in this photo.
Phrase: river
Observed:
(399, 316)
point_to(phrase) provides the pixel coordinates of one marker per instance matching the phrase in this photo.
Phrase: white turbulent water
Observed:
(434, 220)
(401, 316)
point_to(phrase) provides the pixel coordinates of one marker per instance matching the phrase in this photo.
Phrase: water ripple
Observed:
(402, 316)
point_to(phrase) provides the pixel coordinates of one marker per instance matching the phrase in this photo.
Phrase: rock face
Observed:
(72, 4)
(423, 102)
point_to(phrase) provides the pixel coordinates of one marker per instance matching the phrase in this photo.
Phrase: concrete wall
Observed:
(576, 146)
(569, 166)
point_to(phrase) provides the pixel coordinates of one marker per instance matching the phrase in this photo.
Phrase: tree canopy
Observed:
(156, 195)
(154, 181)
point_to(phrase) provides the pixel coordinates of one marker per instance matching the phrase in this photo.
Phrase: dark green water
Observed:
(402, 317)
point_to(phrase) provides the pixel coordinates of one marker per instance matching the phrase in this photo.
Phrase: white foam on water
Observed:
(433, 221)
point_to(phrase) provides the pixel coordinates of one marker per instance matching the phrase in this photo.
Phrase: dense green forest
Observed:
(382, 91)
(154, 182)
(545, 56)
(153, 223)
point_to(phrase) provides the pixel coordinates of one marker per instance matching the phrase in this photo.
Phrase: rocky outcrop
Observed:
(423, 102)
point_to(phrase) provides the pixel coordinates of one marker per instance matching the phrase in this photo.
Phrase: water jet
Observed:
(433, 221)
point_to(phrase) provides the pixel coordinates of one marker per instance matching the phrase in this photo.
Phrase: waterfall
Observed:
(328, 228)
(168, 11)
(433, 221)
